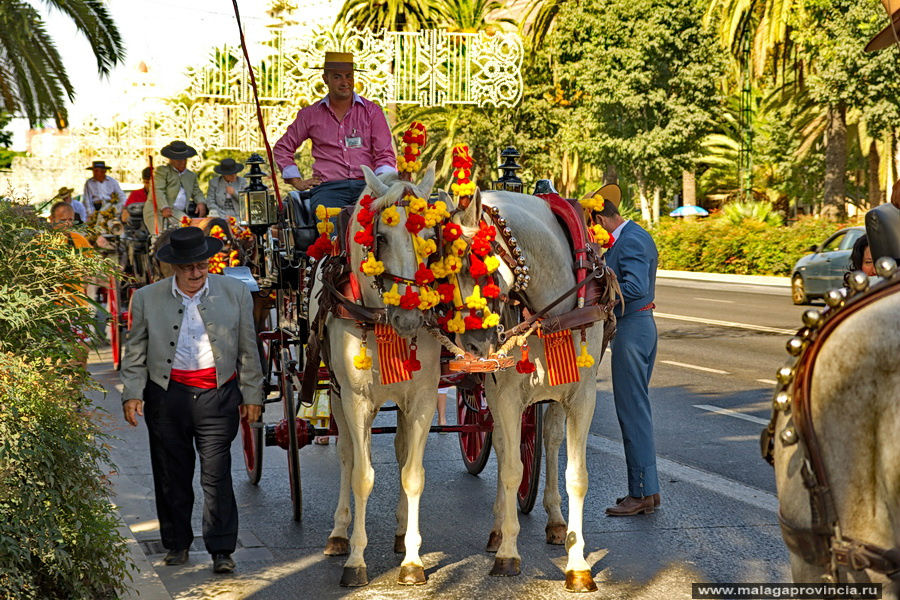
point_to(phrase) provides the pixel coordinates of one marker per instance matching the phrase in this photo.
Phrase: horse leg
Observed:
(508, 418)
(495, 537)
(412, 476)
(554, 431)
(580, 414)
(400, 451)
(338, 543)
(358, 428)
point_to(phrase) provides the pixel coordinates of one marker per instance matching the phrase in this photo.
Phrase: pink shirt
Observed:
(337, 154)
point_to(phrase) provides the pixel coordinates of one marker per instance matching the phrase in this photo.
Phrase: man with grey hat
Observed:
(346, 130)
(177, 190)
(101, 189)
(224, 187)
(192, 369)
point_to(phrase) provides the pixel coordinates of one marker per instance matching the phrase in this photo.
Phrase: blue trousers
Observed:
(633, 354)
(337, 193)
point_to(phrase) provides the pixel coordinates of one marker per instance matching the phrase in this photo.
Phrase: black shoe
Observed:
(222, 563)
(176, 557)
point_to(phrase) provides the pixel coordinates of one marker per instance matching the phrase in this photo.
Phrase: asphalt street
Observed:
(719, 347)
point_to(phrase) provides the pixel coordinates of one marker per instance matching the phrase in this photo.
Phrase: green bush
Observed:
(58, 537)
(750, 247)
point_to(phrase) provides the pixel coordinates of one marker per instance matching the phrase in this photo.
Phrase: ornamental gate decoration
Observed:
(424, 68)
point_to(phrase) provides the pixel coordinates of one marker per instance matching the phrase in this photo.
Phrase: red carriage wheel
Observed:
(252, 438)
(289, 401)
(530, 448)
(471, 409)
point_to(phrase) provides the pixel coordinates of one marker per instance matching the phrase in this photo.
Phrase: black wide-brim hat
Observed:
(188, 245)
(178, 149)
(228, 167)
(99, 164)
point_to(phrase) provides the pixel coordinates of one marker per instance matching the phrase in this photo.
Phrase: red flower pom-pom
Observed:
(525, 366)
(366, 201)
(321, 247)
(415, 223)
(491, 290)
(365, 216)
(476, 265)
(410, 299)
(481, 247)
(364, 237)
(424, 275)
(473, 321)
(442, 321)
(451, 232)
(446, 292)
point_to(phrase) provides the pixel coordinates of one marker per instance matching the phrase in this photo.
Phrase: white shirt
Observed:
(78, 207)
(193, 351)
(102, 191)
(618, 230)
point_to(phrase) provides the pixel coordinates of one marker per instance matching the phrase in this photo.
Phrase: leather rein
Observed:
(822, 543)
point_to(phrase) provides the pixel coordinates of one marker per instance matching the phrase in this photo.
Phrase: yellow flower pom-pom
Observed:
(392, 296)
(322, 212)
(424, 247)
(438, 269)
(428, 298)
(325, 227)
(594, 203)
(452, 263)
(372, 266)
(584, 359)
(362, 361)
(601, 236)
(417, 205)
(491, 263)
(185, 221)
(457, 324)
(475, 300)
(459, 246)
(490, 319)
(390, 216)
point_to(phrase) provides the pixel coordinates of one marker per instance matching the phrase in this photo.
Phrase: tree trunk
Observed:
(688, 188)
(835, 162)
(645, 203)
(610, 175)
(874, 185)
(656, 197)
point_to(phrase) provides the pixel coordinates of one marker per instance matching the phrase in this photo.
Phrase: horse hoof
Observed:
(556, 534)
(411, 575)
(494, 542)
(399, 544)
(354, 577)
(505, 567)
(580, 582)
(337, 546)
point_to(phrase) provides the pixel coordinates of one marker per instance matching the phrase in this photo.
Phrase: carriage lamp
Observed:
(257, 206)
(508, 180)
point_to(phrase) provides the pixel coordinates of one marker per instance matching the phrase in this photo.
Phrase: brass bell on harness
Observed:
(517, 252)
(785, 374)
(859, 281)
(789, 436)
(886, 266)
(513, 243)
(501, 222)
(836, 298)
(812, 318)
(521, 261)
(781, 401)
(795, 346)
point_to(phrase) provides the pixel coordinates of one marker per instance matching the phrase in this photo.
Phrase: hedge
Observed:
(750, 248)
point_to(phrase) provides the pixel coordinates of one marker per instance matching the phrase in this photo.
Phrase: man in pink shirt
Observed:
(347, 131)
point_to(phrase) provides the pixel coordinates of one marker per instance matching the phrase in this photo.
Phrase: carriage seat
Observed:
(883, 231)
(302, 219)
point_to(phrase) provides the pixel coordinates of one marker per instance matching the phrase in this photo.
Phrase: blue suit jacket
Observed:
(633, 258)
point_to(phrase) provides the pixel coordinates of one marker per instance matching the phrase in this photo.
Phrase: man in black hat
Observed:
(177, 190)
(222, 193)
(190, 363)
(101, 189)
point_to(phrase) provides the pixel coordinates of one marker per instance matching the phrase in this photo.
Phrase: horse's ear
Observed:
(471, 215)
(375, 184)
(427, 183)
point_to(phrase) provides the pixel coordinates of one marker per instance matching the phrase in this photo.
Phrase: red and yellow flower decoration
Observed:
(414, 140)
(462, 171)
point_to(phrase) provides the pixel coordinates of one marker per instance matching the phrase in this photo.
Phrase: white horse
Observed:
(509, 392)
(362, 394)
(853, 404)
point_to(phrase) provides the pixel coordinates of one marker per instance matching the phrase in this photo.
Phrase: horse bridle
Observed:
(821, 543)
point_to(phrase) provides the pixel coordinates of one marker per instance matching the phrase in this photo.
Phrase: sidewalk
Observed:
(767, 280)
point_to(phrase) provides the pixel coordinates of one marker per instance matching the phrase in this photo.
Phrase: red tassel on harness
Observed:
(412, 363)
(409, 300)
(473, 321)
(525, 366)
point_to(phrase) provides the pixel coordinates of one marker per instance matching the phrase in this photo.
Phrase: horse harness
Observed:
(822, 543)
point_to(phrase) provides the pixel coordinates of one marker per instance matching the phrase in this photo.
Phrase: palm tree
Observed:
(33, 80)
(470, 16)
(393, 15)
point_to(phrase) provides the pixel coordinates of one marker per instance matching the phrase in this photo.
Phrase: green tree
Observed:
(33, 80)
(393, 15)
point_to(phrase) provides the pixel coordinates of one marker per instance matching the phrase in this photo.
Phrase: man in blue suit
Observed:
(633, 258)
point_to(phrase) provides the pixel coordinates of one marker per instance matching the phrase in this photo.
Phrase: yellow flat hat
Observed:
(610, 192)
(339, 61)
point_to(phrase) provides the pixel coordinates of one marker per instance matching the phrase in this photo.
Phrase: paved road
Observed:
(719, 347)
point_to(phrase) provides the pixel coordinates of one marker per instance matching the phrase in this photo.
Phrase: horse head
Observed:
(384, 245)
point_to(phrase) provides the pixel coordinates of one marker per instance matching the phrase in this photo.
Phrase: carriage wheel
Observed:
(252, 438)
(290, 413)
(471, 409)
(530, 450)
(113, 306)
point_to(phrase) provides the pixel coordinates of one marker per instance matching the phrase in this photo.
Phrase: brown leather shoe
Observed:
(631, 506)
(655, 497)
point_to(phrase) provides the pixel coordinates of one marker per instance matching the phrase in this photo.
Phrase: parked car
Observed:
(824, 269)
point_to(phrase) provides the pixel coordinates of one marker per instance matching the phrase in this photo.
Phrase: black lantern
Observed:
(508, 180)
(257, 207)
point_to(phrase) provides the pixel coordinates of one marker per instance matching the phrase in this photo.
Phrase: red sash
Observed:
(201, 378)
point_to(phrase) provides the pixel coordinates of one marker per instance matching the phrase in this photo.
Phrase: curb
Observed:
(768, 280)
(146, 584)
